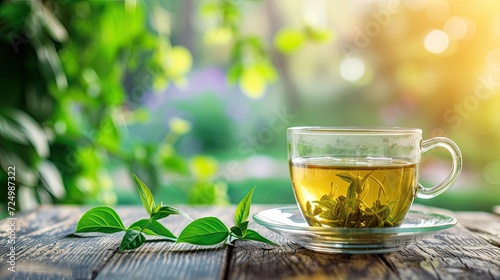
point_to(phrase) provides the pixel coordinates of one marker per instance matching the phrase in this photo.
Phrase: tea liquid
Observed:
(353, 192)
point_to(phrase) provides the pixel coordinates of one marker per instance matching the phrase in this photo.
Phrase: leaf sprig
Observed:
(350, 211)
(211, 230)
(202, 231)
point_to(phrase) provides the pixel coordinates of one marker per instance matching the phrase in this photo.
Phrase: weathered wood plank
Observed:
(452, 254)
(44, 250)
(455, 253)
(164, 260)
(486, 225)
(291, 261)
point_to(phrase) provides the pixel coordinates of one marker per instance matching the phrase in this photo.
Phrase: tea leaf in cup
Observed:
(351, 211)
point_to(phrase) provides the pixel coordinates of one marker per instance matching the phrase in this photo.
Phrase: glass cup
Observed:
(361, 177)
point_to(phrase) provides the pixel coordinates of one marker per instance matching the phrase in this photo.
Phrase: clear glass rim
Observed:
(353, 130)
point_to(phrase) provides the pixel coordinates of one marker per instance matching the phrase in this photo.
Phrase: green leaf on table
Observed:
(132, 239)
(237, 231)
(157, 207)
(243, 208)
(153, 228)
(163, 212)
(253, 235)
(240, 230)
(100, 219)
(204, 231)
(145, 194)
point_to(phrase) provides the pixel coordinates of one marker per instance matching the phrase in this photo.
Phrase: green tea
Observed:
(353, 192)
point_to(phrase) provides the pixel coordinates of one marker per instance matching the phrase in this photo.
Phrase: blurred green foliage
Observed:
(76, 76)
(66, 105)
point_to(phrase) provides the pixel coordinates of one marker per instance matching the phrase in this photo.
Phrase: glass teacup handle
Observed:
(456, 166)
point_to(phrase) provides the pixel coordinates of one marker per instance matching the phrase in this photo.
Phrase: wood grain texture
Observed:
(485, 225)
(455, 253)
(164, 260)
(45, 249)
(451, 254)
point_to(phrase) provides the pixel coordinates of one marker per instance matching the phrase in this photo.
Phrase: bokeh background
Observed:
(195, 96)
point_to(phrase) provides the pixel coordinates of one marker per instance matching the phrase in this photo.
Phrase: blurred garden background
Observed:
(195, 96)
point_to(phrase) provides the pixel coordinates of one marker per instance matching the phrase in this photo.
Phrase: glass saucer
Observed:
(288, 222)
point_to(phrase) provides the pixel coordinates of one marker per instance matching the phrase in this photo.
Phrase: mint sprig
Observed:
(211, 230)
(203, 231)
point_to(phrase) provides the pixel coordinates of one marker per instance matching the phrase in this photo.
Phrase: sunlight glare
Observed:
(436, 41)
(352, 69)
(456, 27)
(493, 60)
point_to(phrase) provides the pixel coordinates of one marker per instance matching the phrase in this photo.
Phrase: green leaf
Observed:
(132, 239)
(153, 228)
(267, 70)
(253, 235)
(180, 62)
(243, 226)
(243, 208)
(240, 230)
(51, 179)
(163, 212)
(176, 163)
(27, 130)
(203, 167)
(100, 219)
(11, 131)
(145, 194)
(53, 26)
(288, 40)
(252, 82)
(209, 193)
(234, 72)
(237, 231)
(157, 207)
(179, 126)
(316, 34)
(346, 177)
(204, 231)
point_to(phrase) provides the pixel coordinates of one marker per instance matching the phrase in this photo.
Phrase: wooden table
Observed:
(46, 249)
